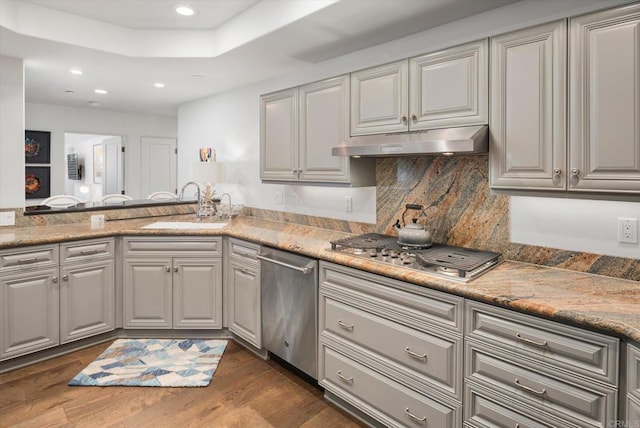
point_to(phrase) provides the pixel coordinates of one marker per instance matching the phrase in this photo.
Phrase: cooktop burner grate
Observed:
(465, 259)
(458, 263)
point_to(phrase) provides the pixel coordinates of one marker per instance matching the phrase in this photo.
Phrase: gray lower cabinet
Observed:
(87, 289)
(633, 386)
(243, 301)
(519, 368)
(172, 283)
(55, 294)
(390, 349)
(30, 311)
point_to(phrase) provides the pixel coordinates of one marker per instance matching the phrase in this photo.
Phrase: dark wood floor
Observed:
(245, 392)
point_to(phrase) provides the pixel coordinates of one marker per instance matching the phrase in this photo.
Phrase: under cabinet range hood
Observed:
(445, 141)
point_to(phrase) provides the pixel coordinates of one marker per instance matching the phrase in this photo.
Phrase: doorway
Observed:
(100, 161)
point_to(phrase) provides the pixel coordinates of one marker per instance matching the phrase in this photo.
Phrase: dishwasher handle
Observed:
(304, 269)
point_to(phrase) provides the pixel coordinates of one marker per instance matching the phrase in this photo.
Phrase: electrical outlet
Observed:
(348, 204)
(628, 230)
(97, 219)
(278, 198)
(8, 218)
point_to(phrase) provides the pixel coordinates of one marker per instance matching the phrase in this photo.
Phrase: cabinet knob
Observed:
(54, 279)
(175, 269)
(65, 277)
(404, 119)
(167, 268)
(556, 172)
(575, 172)
(414, 118)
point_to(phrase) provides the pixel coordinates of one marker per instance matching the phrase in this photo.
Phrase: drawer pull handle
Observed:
(28, 261)
(528, 388)
(88, 252)
(344, 378)
(344, 326)
(531, 342)
(414, 355)
(246, 255)
(422, 420)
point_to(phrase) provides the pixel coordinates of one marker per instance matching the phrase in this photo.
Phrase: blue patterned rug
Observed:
(154, 362)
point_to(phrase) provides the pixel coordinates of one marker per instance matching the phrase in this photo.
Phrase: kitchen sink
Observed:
(184, 225)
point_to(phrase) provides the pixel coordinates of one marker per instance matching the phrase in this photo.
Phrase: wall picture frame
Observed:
(37, 147)
(98, 163)
(37, 182)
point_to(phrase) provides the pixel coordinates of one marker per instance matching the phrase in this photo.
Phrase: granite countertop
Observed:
(601, 303)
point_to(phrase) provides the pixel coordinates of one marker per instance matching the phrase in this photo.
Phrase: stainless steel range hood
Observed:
(446, 141)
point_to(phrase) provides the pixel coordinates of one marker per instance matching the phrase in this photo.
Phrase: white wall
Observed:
(59, 119)
(573, 224)
(11, 132)
(230, 122)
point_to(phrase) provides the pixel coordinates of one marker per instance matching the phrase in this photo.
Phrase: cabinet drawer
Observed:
(382, 398)
(434, 357)
(580, 404)
(412, 305)
(84, 251)
(483, 408)
(26, 259)
(243, 251)
(633, 412)
(633, 370)
(184, 245)
(590, 354)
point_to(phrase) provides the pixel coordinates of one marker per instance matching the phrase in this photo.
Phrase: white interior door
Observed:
(113, 177)
(158, 161)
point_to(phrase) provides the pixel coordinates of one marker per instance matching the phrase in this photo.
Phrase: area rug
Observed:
(154, 362)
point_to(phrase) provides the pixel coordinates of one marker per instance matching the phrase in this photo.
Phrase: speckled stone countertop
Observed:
(601, 303)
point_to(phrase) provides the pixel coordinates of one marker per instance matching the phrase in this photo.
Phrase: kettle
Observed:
(413, 234)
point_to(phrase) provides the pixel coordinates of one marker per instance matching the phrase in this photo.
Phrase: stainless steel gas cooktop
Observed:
(457, 263)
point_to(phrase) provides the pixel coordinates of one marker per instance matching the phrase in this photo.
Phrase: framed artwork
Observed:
(37, 147)
(98, 163)
(37, 182)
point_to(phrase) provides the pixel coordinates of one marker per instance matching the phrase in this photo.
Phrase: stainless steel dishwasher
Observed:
(289, 308)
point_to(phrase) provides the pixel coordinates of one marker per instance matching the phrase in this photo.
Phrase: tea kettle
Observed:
(413, 234)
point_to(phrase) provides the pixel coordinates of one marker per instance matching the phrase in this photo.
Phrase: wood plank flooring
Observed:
(245, 392)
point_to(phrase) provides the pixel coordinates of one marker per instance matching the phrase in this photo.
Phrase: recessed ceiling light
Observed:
(69, 91)
(100, 91)
(159, 85)
(76, 71)
(184, 10)
(94, 103)
(197, 76)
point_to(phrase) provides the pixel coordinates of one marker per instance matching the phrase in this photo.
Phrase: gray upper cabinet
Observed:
(599, 150)
(279, 135)
(450, 87)
(528, 104)
(604, 97)
(298, 129)
(436, 90)
(379, 99)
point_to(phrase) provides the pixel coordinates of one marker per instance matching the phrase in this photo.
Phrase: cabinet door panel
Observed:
(86, 300)
(605, 101)
(197, 293)
(324, 123)
(245, 317)
(147, 293)
(450, 87)
(527, 122)
(379, 99)
(30, 312)
(279, 136)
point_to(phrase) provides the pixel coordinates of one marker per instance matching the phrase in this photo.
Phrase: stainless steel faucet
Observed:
(198, 215)
(229, 203)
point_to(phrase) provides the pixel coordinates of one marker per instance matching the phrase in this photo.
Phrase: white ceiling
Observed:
(125, 46)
